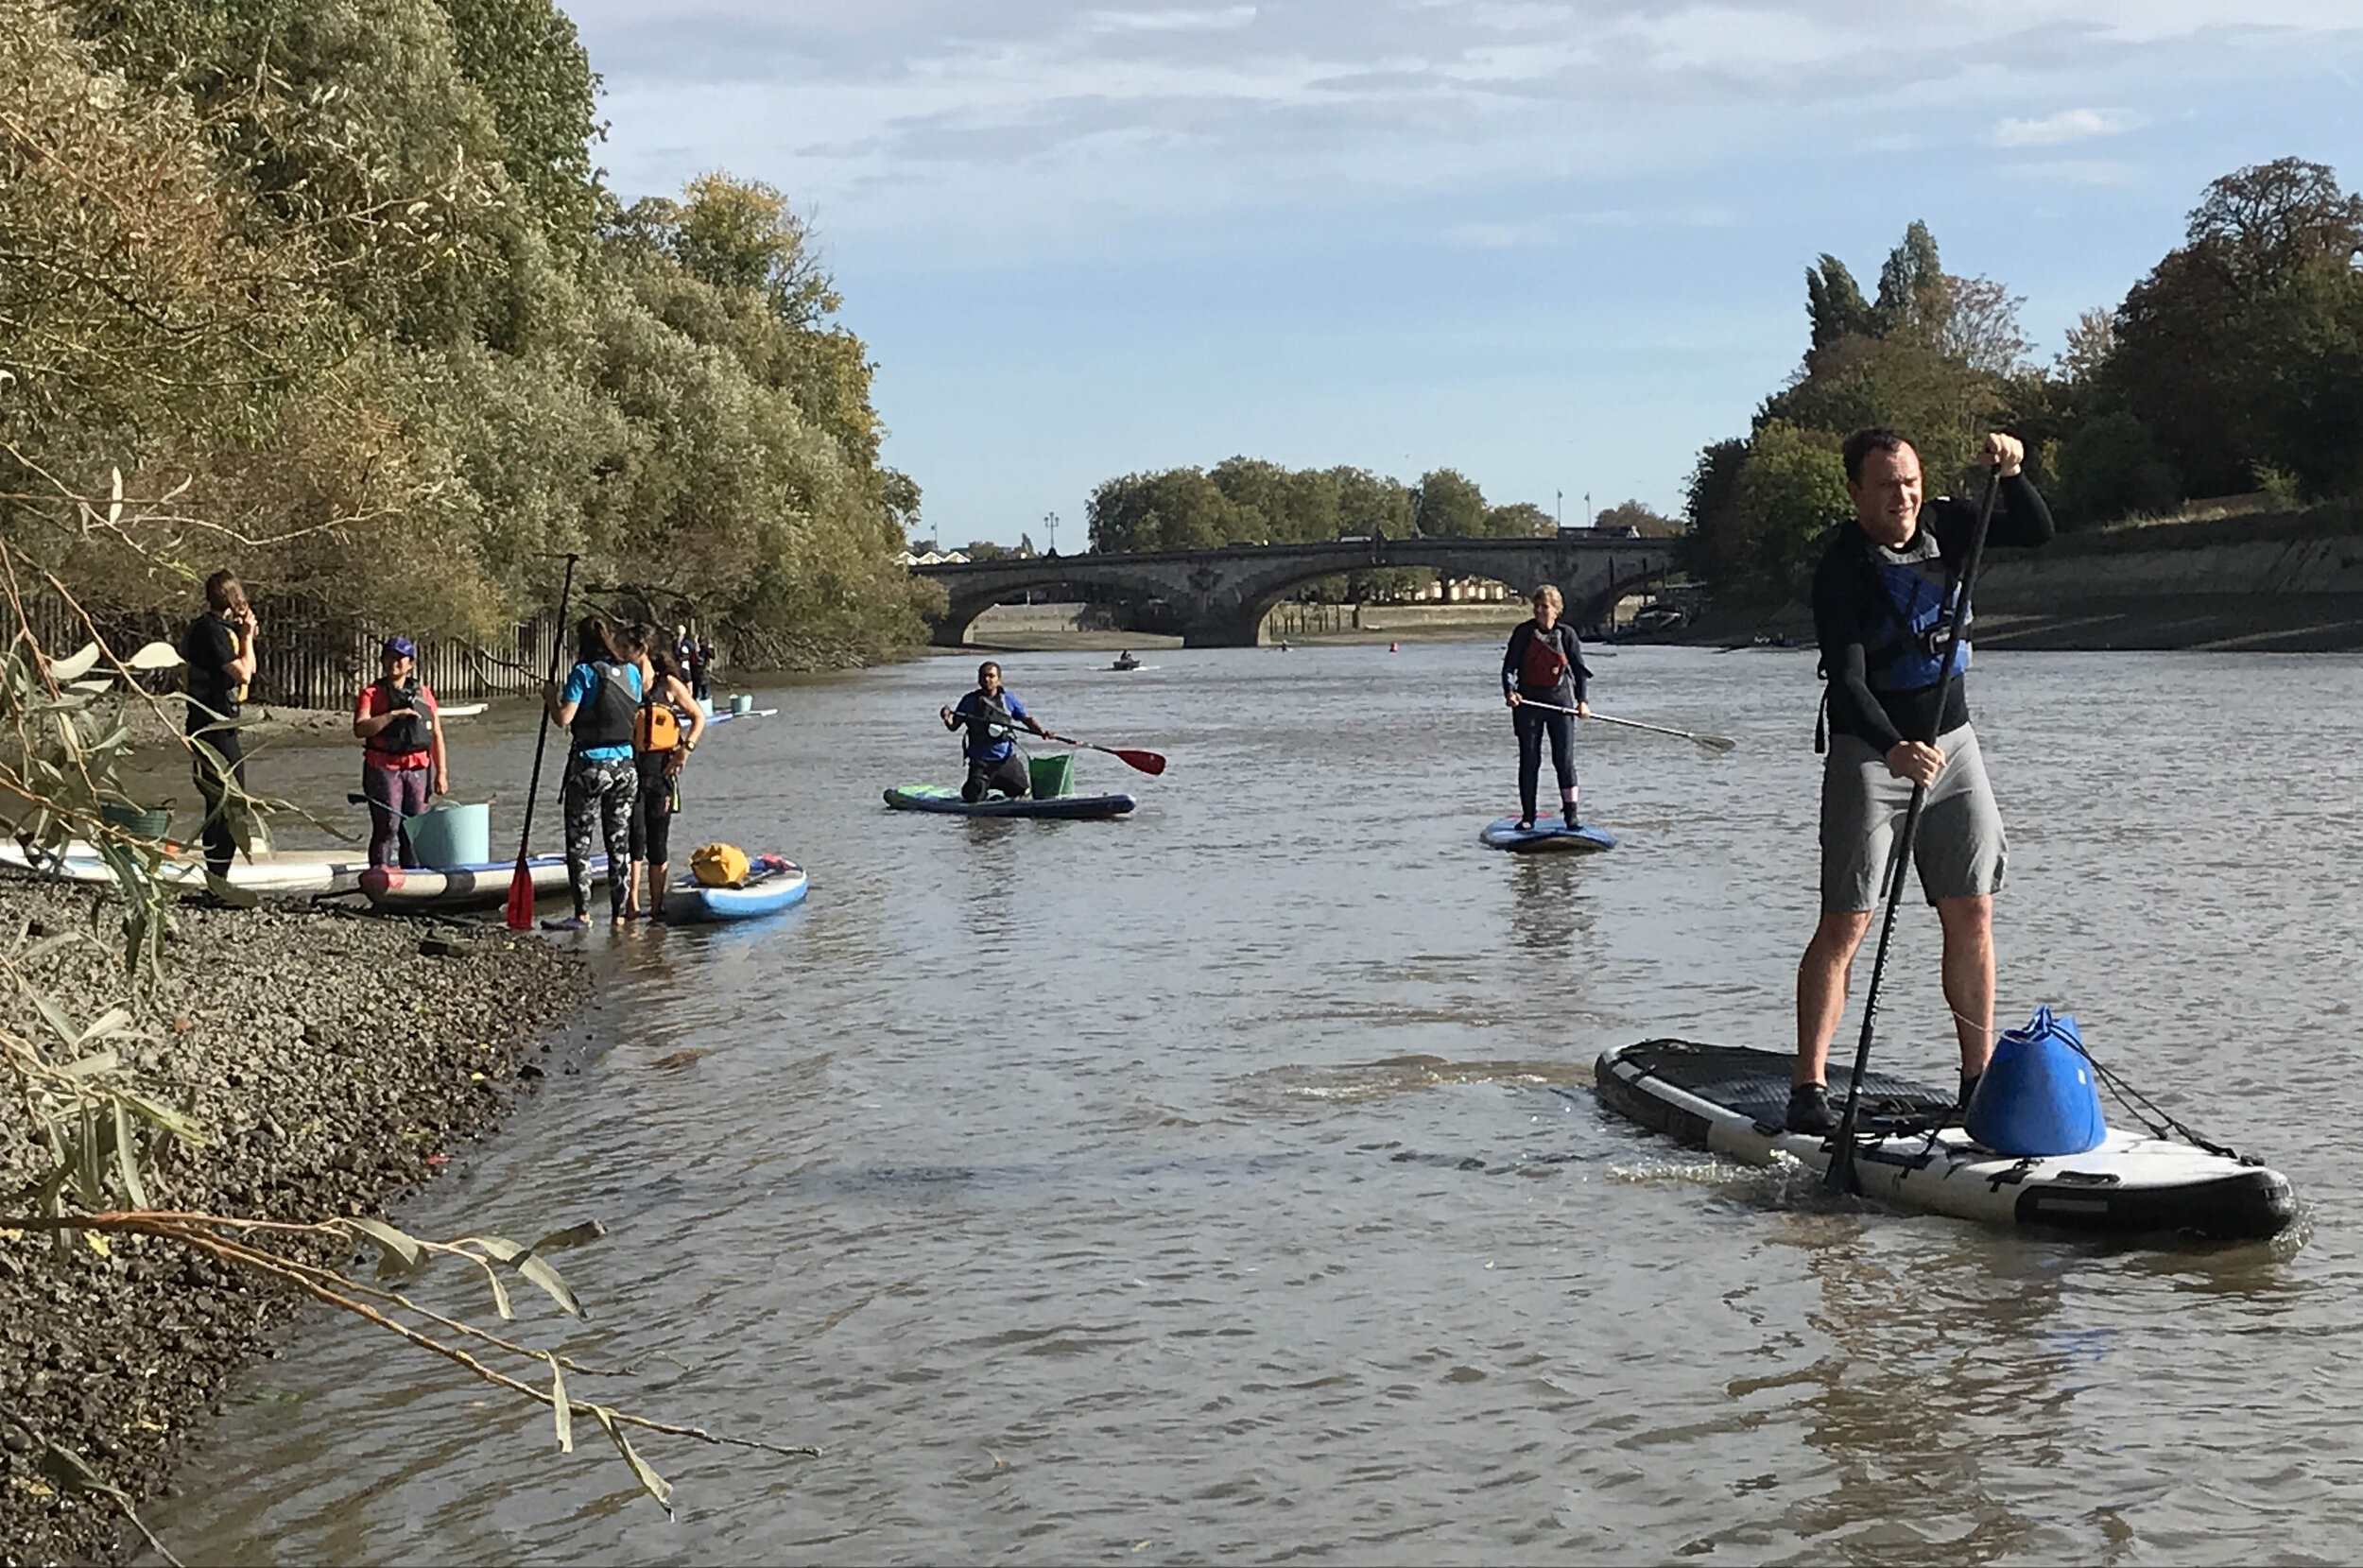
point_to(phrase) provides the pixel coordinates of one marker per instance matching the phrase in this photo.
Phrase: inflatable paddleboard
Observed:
(1548, 834)
(946, 800)
(773, 884)
(1731, 1100)
(282, 873)
(484, 886)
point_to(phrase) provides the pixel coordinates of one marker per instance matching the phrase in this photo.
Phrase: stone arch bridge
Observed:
(1218, 598)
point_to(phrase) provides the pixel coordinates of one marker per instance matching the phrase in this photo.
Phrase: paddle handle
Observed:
(1840, 1172)
(541, 740)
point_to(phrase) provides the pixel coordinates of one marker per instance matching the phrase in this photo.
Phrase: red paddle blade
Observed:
(518, 912)
(1148, 762)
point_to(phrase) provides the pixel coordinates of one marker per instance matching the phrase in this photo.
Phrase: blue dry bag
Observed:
(2038, 1095)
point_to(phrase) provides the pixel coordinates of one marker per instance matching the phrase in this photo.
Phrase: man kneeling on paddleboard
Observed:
(1883, 602)
(990, 716)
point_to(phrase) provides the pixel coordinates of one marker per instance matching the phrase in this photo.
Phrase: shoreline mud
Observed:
(332, 1058)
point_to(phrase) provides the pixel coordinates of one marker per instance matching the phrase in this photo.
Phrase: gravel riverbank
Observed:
(331, 1060)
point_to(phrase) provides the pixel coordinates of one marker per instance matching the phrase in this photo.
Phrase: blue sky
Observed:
(1558, 245)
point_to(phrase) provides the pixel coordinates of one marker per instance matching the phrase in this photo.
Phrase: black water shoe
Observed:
(1809, 1110)
(1525, 824)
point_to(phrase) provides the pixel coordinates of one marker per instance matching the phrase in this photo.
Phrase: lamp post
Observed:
(1050, 521)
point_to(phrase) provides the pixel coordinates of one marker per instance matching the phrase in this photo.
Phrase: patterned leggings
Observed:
(601, 787)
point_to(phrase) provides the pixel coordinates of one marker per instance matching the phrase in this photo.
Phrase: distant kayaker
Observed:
(1543, 663)
(990, 716)
(597, 704)
(1883, 600)
(667, 728)
(219, 646)
(403, 763)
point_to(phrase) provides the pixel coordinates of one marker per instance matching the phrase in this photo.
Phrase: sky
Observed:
(1557, 245)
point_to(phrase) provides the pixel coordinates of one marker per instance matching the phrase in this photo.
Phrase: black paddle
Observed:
(1840, 1173)
(517, 912)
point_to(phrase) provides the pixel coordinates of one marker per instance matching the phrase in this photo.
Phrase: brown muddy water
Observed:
(1225, 1183)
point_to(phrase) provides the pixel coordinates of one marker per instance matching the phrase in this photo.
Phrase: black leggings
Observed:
(213, 787)
(653, 813)
(1533, 724)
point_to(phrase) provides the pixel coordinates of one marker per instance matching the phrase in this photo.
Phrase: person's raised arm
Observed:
(241, 665)
(365, 724)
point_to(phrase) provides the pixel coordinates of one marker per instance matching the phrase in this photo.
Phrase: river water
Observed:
(1225, 1183)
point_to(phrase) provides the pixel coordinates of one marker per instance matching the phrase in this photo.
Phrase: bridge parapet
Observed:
(1218, 598)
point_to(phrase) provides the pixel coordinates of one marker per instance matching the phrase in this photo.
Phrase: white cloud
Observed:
(2068, 125)
(1044, 118)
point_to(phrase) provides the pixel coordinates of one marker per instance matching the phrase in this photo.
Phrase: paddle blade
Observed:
(1715, 743)
(517, 914)
(1148, 762)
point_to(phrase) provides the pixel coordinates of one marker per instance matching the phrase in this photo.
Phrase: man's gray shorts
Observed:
(1959, 848)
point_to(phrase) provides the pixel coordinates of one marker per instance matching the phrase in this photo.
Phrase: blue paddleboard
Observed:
(1549, 835)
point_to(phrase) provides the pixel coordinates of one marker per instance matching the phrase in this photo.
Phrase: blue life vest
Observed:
(1908, 651)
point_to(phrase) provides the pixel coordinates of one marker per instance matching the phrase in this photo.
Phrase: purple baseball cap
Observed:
(399, 647)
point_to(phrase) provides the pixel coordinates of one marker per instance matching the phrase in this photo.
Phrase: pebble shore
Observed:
(332, 1060)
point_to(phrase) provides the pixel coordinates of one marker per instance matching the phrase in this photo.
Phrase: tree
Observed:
(2240, 351)
(1834, 304)
(1710, 506)
(1791, 492)
(1518, 520)
(2274, 219)
(1448, 506)
(1643, 519)
(1908, 284)
(1177, 508)
(2110, 468)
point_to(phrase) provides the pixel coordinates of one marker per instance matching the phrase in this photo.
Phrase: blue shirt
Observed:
(973, 704)
(581, 682)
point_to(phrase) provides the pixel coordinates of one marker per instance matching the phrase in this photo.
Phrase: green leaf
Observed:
(562, 1413)
(656, 1486)
(75, 665)
(390, 1242)
(540, 1273)
(500, 1291)
(227, 891)
(499, 1247)
(92, 1065)
(127, 1159)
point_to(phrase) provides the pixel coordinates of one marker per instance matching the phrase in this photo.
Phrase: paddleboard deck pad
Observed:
(946, 800)
(1730, 1101)
(1549, 835)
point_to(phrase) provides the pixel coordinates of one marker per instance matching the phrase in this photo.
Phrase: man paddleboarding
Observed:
(1543, 663)
(1883, 601)
(990, 715)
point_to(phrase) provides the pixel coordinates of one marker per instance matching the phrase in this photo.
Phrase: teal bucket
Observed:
(452, 835)
(743, 703)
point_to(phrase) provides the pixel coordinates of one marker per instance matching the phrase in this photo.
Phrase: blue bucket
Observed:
(2038, 1095)
(452, 835)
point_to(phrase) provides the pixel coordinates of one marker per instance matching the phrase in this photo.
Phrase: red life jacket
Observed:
(1543, 664)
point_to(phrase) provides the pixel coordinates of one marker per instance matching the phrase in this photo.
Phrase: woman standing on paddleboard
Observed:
(1544, 664)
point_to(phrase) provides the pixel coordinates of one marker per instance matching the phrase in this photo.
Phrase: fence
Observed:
(307, 659)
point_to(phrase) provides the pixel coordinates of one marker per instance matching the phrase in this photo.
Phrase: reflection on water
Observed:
(1224, 1181)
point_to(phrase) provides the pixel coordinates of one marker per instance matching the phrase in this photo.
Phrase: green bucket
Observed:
(139, 822)
(1053, 776)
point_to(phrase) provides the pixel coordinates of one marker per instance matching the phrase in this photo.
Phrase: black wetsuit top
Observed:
(1852, 615)
(209, 644)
